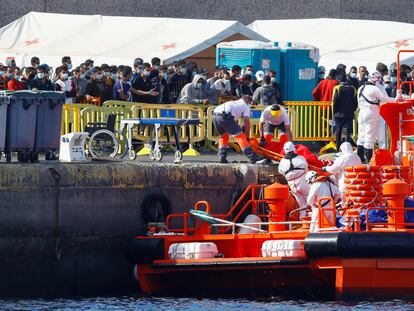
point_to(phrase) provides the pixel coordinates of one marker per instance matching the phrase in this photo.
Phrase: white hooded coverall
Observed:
(296, 178)
(369, 114)
(347, 158)
(318, 190)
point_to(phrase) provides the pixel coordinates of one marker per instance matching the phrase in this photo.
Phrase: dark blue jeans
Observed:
(340, 123)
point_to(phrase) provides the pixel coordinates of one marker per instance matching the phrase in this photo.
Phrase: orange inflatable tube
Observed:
(363, 175)
(362, 168)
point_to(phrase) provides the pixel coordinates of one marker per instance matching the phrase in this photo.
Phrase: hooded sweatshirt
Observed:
(265, 95)
(191, 94)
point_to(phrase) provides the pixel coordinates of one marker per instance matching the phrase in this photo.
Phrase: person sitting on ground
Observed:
(321, 187)
(225, 117)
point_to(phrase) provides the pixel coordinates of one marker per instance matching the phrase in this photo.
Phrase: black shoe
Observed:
(361, 153)
(223, 160)
(255, 158)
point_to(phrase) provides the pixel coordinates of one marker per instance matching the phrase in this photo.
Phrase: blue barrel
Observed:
(21, 121)
(48, 121)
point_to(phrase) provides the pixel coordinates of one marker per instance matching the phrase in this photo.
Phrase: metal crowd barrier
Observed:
(71, 118)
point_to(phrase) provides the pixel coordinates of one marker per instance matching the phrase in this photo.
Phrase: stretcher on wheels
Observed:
(154, 124)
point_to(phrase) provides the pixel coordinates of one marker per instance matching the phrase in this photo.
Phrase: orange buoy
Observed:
(276, 196)
(395, 191)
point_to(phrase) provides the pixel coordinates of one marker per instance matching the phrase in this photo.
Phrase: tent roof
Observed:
(112, 39)
(348, 41)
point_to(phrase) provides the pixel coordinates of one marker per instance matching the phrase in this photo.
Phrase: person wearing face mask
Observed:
(265, 95)
(41, 81)
(177, 80)
(388, 85)
(155, 66)
(35, 62)
(142, 88)
(235, 78)
(324, 90)
(321, 73)
(244, 87)
(223, 86)
(353, 77)
(405, 75)
(28, 74)
(122, 87)
(63, 84)
(165, 96)
(3, 79)
(80, 82)
(248, 70)
(276, 86)
(382, 128)
(194, 92)
(15, 83)
(107, 79)
(369, 99)
(136, 72)
(96, 88)
(66, 61)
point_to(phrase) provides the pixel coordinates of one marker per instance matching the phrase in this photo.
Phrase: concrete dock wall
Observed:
(64, 227)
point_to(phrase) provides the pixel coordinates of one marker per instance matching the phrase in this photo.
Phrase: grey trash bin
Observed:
(48, 122)
(21, 124)
(4, 103)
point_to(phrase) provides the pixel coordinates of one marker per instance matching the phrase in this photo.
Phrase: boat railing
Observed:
(396, 220)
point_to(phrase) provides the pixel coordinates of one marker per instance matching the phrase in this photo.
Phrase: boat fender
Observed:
(360, 244)
(155, 208)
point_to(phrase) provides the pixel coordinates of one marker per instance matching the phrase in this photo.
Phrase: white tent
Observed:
(351, 42)
(115, 40)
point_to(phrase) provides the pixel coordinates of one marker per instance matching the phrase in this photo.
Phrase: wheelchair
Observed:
(102, 141)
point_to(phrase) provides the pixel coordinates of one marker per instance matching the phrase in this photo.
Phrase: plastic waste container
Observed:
(4, 103)
(21, 124)
(48, 123)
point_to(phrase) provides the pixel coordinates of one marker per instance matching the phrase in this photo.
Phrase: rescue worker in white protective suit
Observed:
(294, 167)
(369, 99)
(321, 187)
(347, 158)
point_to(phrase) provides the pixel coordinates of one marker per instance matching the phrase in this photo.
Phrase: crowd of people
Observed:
(144, 82)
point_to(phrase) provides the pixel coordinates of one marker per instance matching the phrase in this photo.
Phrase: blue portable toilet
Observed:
(261, 55)
(299, 72)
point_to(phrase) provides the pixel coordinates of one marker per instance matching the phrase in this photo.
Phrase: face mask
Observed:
(409, 75)
(41, 75)
(249, 72)
(226, 82)
(204, 78)
(82, 75)
(64, 76)
(1, 73)
(107, 74)
(394, 80)
(198, 85)
(165, 76)
(273, 80)
(10, 75)
(321, 76)
(193, 73)
(366, 76)
(113, 76)
(98, 77)
(387, 86)
(156, 67)
(183, 71)
(36, 65)
(139, 72)
(18, 77)
(353, 74)
(69, 66)
(147, 73)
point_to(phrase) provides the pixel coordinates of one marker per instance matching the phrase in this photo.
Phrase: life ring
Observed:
(362, 193)
(155, 208)
(357, 181)
(360, 175)
(363, 187)
(392, 175)
(362, 168)
(363, 200)
(393, 168)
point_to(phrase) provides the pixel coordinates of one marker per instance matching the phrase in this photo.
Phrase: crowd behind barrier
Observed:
(157, 91)
(302, 115)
